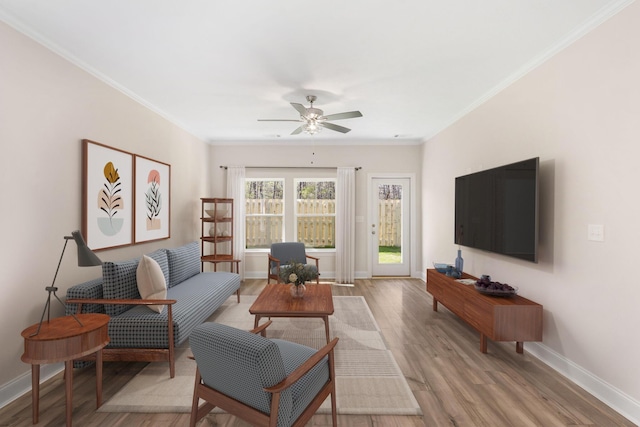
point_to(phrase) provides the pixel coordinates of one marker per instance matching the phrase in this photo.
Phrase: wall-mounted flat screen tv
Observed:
(497, 210)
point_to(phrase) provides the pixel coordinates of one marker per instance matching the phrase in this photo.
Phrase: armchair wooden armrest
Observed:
(316, 259)
(271, 260)
(274, 259)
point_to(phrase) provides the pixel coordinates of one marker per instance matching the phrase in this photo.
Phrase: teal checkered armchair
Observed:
(266, 382)
(286, 252)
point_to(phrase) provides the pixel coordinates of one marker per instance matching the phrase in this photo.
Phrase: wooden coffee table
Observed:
(276, 301)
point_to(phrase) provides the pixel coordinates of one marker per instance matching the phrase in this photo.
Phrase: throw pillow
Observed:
(151, 282)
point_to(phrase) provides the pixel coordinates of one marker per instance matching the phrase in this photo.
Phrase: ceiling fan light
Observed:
(314, 113)
(311, 127)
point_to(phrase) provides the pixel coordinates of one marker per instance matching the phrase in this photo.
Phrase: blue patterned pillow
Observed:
(184, 262)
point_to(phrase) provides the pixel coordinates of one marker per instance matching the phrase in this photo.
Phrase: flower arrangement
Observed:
(297, 273)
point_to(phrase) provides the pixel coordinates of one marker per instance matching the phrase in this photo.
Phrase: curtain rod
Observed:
(357, 168)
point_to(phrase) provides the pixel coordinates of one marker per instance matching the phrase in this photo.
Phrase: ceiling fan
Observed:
(313, 119)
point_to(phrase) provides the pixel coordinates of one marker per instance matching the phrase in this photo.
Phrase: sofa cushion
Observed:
(160, 256)
(91, 289)
(184, 262)
(151, 282)
(196, 300)
(119, 283)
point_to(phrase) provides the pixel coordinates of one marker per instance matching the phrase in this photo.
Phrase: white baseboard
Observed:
(22, 384)
(616, 399)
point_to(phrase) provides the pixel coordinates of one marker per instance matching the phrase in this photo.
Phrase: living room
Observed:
(577, 111)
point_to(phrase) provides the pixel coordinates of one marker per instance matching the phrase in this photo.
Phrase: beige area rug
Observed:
(368, 379)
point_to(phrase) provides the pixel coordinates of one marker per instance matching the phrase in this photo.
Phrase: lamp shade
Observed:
(86, 257)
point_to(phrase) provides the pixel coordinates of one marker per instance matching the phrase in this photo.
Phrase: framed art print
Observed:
(107, 196)
(152, 211)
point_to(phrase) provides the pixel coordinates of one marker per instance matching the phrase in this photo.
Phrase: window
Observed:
(315, 212)
(264, 212)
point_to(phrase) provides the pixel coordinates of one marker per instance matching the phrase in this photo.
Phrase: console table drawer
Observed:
(480, 315)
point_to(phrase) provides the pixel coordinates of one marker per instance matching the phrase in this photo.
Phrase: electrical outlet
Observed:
(595, 232)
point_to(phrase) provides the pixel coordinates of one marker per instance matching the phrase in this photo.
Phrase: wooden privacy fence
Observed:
(314, 230)
(390, 227)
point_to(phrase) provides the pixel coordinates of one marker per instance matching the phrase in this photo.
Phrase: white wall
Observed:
(47, 106)
(372, 159)
(579, 112)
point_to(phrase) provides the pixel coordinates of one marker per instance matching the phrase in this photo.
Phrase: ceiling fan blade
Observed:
(300, 108)
(279, 120)
(334, 127)
(297, 131)
(347, 115)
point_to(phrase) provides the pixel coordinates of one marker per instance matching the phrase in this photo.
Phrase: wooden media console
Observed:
(497, 318)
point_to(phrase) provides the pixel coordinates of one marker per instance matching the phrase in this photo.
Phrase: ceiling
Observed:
(412, 67)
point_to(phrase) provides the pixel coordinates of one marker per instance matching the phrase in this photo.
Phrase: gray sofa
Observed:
(136, 332)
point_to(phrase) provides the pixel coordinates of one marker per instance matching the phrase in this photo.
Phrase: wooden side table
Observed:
(62, 340)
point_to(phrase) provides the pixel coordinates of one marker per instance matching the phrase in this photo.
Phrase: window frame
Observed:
(282, 215)
(296, 215)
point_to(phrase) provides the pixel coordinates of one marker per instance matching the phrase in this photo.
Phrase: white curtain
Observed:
(345, 225)
(235, 191)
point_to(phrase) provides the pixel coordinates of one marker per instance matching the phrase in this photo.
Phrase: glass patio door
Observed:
(389, 227)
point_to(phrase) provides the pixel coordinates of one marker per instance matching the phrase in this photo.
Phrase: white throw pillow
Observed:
(151, 282)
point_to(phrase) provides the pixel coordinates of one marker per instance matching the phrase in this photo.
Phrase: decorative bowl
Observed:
(496, 292)
(212, 233)
(221, 213)
(441, 267)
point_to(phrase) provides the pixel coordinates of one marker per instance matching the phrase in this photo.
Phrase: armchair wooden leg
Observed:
(194, 404)
(334, 415)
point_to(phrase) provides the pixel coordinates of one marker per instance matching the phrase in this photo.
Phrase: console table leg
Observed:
(519, 347)
(435, 304)
(483, 343)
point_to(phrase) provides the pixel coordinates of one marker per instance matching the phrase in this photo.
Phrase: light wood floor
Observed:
(454, 383)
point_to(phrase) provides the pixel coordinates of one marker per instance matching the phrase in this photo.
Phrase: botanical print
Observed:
(154, 200)
(110, 202)
(107, 196)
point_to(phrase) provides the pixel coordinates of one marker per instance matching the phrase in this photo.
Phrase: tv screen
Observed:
(497, 210)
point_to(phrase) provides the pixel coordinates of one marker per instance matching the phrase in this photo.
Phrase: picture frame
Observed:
(152, 206)
(107, 196)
